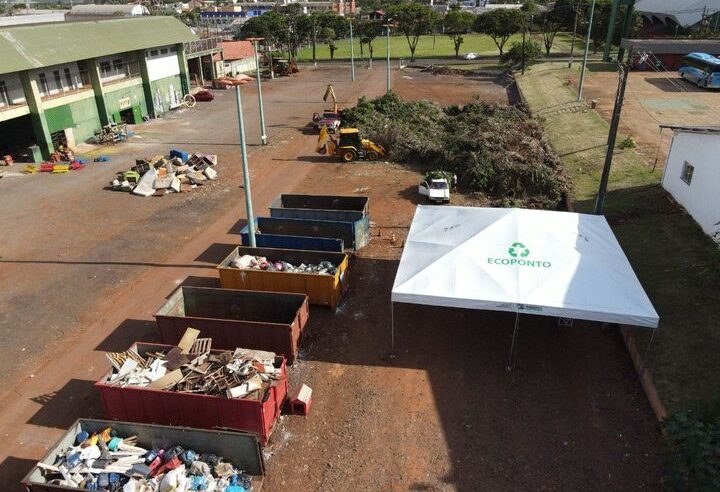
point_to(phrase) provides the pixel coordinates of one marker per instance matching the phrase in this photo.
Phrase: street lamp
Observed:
(387, 33)
(263, 135)
(352, 52)
(243, 152)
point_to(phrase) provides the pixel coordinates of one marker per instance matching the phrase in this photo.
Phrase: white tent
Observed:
(559, 264)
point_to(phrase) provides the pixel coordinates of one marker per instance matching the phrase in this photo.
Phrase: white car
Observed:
(436, 190)
(471, 56)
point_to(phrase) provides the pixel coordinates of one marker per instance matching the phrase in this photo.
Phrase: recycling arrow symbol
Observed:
(518, 250)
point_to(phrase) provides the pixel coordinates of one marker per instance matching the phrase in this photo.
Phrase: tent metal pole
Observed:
(513, 345)
(392, 328)
(652, 337)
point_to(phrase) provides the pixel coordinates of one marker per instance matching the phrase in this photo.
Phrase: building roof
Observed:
(686, 13)
(673, 46)
(109, 9)
(235, 50)
(29, 47)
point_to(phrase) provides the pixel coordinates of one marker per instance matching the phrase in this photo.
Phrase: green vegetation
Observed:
(692, 453)
(676, 262)
(427, 47)
(496, 151)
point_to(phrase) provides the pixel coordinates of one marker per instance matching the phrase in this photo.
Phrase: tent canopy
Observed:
(541, 262)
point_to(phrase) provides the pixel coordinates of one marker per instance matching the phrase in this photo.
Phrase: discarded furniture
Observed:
(322, 289)
(236, 318)
(239, 448)
(149, 405)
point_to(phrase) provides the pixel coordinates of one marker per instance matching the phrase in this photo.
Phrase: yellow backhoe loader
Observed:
(349, 146)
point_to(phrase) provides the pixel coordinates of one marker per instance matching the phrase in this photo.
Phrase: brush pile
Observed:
(497, 151)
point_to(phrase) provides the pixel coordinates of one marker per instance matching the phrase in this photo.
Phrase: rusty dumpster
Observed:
(272, 321)
(239, 448)
(148, 405)
(325, 290)
(322, 207)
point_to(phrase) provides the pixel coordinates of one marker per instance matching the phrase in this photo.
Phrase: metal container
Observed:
(138, 404)
(321, 207)
(325, 290)
(269, 321)
(315, 229)
(239, 448)
(265, 240)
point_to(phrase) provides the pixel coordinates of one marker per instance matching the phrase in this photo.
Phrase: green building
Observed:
(61, 82)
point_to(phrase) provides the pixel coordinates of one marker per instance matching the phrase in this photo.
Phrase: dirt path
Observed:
(86, 275)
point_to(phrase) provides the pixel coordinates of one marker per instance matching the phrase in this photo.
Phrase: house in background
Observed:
(692, 174)
(237, 57)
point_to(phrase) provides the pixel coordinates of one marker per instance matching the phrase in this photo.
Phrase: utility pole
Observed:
(387, 81)
(523, 47)
(263, 133)
(585, 55)
(352, 52)
(624, 68)
(572, 44)
(245, 169)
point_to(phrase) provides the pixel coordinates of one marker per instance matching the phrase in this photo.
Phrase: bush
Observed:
(692, 453)
(533, 51)
(495, 150)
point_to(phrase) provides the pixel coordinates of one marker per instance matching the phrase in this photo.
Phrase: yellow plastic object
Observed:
(30, 169)
(60, 168)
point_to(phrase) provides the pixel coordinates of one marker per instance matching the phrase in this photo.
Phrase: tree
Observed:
(327, 35)
(413, 20)
(532, 50)
(368, 31)
(601, 22)
(457, 23)
(271, 26)
(500, 24)
(552, 22)
(308, 27)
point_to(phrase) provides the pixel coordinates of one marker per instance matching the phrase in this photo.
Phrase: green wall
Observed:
(163, 85)
(82, 116)
(135, 93)
(86, 118)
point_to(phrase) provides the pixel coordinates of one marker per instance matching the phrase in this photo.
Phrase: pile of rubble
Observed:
(262, 263)
(176, 173)
(108, 462)
(242, 373)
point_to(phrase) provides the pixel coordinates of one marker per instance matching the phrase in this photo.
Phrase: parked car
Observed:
(330, 119)
(204, 95)
(471, 56)
(436, 190)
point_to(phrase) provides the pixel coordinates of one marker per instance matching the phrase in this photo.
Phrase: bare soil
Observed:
(83, 269)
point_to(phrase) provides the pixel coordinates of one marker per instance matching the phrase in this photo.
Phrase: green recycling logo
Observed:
(518, 250)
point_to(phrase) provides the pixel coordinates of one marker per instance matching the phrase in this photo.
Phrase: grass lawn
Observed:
(675, 261)
(440, 46)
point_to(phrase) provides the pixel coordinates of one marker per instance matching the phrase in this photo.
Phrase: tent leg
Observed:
(652, 337)
(513, 345)
(392, 328)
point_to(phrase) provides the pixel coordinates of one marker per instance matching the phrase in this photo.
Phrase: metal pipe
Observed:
(585, 56)
(245, 169)
(263, 134)
(513, 345)
(387, 84)
(352, 53)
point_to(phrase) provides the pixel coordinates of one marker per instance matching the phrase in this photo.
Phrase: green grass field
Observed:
(438, 46)
(675, 261)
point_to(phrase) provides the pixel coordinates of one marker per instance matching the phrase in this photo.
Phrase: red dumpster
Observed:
(142, 404)
(269, 321)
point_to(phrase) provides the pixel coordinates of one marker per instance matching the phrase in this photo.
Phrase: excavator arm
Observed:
(330, 93)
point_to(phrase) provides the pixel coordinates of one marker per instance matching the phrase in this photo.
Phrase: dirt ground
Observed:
(83, 269)
(653, 99)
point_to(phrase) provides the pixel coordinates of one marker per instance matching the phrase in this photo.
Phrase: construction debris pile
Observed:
(497, 152)
(242, 373)
(176, 173)
(108, 462)
(262, 263)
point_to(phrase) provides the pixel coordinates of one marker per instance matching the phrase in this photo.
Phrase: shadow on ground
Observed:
(63, 407)
(12, 470)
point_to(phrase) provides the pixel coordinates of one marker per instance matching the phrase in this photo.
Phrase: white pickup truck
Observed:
(436, 190)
